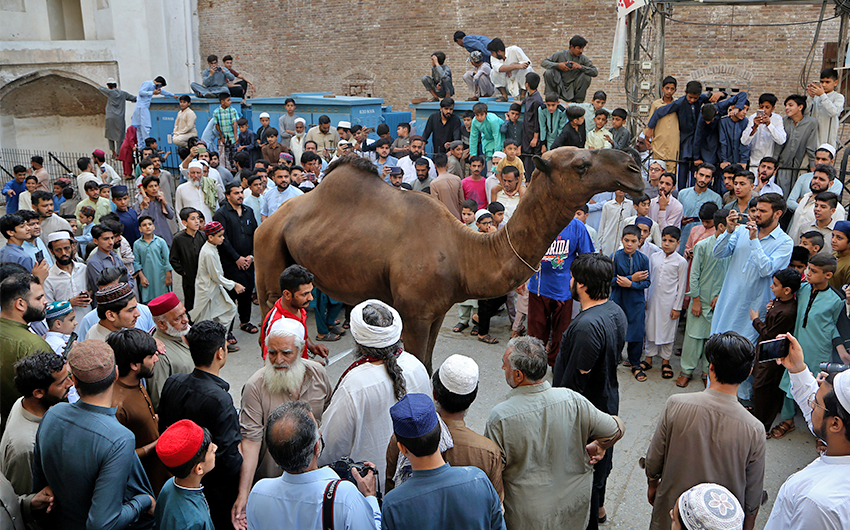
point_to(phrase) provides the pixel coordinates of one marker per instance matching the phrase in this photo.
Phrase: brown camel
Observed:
(362, 238)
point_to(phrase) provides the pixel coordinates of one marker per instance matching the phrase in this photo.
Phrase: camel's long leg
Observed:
(416, 339)
(432, 340)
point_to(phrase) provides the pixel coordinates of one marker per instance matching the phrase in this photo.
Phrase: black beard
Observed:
(33, 314)
(64, 260)
(574, 291)
(414, 156)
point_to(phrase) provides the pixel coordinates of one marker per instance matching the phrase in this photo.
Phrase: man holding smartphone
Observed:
(569, 72)
(66, 280)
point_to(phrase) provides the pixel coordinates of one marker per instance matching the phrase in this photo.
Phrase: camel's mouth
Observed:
(636, 185)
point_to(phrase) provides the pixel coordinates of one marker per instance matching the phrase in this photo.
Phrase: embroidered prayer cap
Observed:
(344, 125)
(59, 235)
(641, 220)
(98, 153)
(476, 57)
(661, 163)
(119, 191)
(455, 144)
(264, 115)
(841, 226)
(413, 416)
(710, 507)
(827, 147)
(57, 309)
(114, 293)
(179, 443)
(499, 155)
(416, 137)
(162, 304)
(287, 156)
(213, 227)
(91, 361)
(459, 374)
(483, 212)
(375, 336)
(841, 386)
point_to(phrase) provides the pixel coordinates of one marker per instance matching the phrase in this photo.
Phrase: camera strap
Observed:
(328, 505)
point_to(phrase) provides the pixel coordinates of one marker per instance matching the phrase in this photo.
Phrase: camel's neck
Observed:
(494, 264)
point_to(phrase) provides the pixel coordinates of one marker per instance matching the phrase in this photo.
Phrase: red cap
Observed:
(163, 304)
(179, 443)
(213, 227)
(99, 152)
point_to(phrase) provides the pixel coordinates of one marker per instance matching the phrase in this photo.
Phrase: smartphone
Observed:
(70, 343)
(743, 219)
(39, 256)
(759, 112)
(770, 350)
(202, 149)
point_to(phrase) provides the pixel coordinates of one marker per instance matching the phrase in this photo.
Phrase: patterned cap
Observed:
(114, 293)
(57, 309)
(710, 507)
(213, 227)
(91, 361)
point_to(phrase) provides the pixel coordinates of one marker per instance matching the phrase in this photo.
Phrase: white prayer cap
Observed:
(459, 374)
(841, 385)
(264, 115)
(710, 507)
(481, 213)
(344, 142)
(827, 147)
(196, 164)
(59, 236)
(344, 125)
(301, 120)
(286, 327)
(110, 81)
(661, 163)
(499, 154)
(375, 336)
(203, 163)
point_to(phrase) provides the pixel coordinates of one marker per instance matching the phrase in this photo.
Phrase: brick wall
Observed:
(300, 46)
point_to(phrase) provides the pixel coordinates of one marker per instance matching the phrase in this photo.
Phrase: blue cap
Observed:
(119, 191)
(843, 226)
(643, 221)
(413, 416)
(57, 309)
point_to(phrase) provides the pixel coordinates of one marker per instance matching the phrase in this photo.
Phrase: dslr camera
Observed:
(342, 467)
(832, 368)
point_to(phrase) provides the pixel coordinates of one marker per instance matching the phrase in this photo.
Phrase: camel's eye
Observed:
(582, 168)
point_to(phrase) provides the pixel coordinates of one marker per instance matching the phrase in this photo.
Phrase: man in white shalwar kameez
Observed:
(669, 273)
(212, 302)
(357, 423)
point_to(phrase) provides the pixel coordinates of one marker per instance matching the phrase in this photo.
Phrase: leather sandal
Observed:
(639, 374)
(666, 371)
(782, 429)
(683, 381)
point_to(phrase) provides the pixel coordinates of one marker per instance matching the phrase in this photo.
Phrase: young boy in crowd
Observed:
(620, 134)
(729, 173)
(799, 260)
(104, 190)
(256, 200)
(25, 198)
(591, 109)
(187, 451)
(631, 270)
(669, 272)
(813, 241)
(641, 205)
(467, 308)
(464, 132)
(826, 203)
(271, 152)
(86, 219)
(779, 319)
(260, 135)
(14, 187)
(705, 229)
(467, 213)
(69, 205)
(574, 133)
(212, 298)
(825, 104)
(552, 120)
(818, 309)
(152, 202)
(400, 146)
(61, 322)
(487, 126)
(128, 217)
(151, 260)
(185, 250)
(581, 215)
(511, 150)
(247, 141)
(599, 137)
(646, 226)
(439, 83)
(706, 280)
(58, 199)
(841, 248)
(614, 212)
(99, 204)
(512, 127)
(497, 210)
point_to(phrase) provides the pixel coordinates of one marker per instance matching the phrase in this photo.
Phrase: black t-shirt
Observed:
(594, 342)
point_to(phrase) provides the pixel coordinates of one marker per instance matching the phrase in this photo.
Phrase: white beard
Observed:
(280, 381)
(171, 331)
(196, 183)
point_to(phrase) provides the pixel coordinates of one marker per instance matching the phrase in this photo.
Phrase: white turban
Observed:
(301, 120)
(197, 164)
(375, 336)
(661, 163)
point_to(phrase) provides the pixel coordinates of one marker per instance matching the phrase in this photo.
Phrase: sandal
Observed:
(337, 330)
(346, 324)
(249, 328)
(683, 381)
(488, 339)
(328, 337)
(782, 429)
(231, 339)
(627, 364)
(639, 374)
(474, 330)
(459, 327)
(645, 366)
(232, 348)
(666, 371)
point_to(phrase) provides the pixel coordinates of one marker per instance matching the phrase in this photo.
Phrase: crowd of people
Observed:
(116, 379)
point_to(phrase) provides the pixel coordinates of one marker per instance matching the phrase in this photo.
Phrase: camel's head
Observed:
(586, 172)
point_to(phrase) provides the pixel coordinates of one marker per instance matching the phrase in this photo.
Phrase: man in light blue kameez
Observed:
(142, 115)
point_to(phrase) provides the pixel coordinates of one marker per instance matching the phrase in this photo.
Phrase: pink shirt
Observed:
(476, 190)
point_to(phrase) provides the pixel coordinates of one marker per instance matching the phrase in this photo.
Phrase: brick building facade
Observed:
(300, 46)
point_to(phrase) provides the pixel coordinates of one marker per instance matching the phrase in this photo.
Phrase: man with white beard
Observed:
(199, 192)
(285, 376)
(172, 325)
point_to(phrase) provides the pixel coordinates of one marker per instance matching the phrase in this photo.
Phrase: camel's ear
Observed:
(542, 165)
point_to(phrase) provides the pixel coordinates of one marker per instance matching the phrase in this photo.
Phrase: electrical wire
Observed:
(753, 25)
(806, 71)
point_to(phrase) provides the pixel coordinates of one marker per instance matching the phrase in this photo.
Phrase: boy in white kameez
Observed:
(212, 301)
(669, 273)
